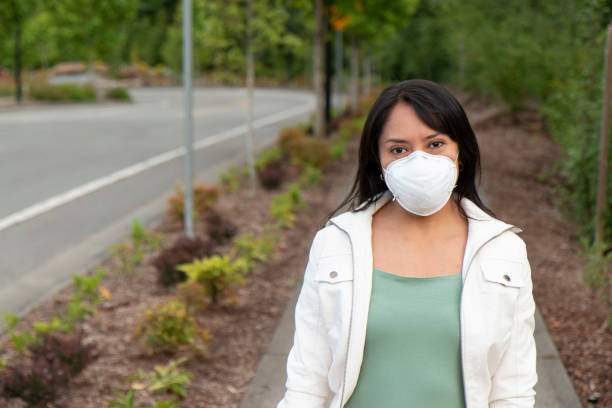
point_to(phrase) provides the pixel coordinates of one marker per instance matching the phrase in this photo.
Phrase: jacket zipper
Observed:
(465, 394)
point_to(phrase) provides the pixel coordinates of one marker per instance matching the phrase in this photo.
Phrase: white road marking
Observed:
(80, 191)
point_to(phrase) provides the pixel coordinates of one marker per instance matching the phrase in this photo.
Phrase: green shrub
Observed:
(204, 196)
(283, 207)
(310, 177)
(170, 378)
(266, 157)
(184, 250)
(129, 254)
(218, 273)
(62, 92)
(290, 139)
(253, 250)
(273, 174)
(230, 180)
(118, 93)
(169, 328)
(310, 152)
(338, 150)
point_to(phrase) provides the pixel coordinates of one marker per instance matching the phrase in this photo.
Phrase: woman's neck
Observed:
(443, 221)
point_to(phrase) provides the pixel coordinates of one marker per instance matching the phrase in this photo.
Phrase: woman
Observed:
(417, 296)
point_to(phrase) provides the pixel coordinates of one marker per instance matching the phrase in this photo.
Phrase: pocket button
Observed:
(333, 274)
(507, 278)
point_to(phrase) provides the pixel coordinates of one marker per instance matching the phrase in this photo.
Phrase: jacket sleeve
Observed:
(515, 378)
(310, 357)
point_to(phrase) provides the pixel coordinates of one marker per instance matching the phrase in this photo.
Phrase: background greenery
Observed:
(542, 53)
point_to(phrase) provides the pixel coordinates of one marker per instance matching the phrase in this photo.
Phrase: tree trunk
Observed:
(328, 72)
(319, 114)
(354, 76)
(250, 85)
(367, 73)
(339, 70)
(18, 84)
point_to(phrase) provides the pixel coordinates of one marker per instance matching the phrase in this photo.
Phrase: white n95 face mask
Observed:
(421, 183)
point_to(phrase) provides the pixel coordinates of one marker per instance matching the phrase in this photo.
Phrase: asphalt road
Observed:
(68, 173)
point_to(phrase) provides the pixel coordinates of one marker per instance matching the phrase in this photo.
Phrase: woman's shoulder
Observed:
(330, 241)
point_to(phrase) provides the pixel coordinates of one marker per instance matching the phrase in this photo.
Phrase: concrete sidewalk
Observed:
(554, 388)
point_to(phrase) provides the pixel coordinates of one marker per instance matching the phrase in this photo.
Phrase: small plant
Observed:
(20, 340)
(204, 196)
(129, 254)
(598, 274)
(193, 294)
(169, 328)
(68, 349)
(170, 378)
(337, 150)
(311, 152)
(310, 177)
(54, 361)
(230, 180)
(217, 273)
(184, 250)
(284, 205)
(125, 400)
(290, 139)
(272, 175)
(218, 226)
(118, 93)
(253, 250)
(267, 156)
(145, 239)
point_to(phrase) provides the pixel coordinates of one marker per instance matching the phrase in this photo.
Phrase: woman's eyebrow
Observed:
(406, 141)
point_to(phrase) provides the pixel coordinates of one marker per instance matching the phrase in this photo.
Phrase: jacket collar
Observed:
(481, 226)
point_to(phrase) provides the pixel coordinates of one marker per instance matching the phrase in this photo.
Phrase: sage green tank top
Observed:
(412, 355)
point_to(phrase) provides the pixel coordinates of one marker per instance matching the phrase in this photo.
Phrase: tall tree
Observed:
(13, 14)
(92, 29)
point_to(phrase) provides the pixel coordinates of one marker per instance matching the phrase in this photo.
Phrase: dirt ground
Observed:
(515, 153)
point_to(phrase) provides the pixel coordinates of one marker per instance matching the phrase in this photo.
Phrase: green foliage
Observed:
(283, 207)
(253, 250)
(170, 327)
(230, 180)
(130, 254)
(267, 156)
(124, 400)
(170, 378)
(310, 177)
(521, 52)
(184, 250)
(337, 150)
(597, 274)
(204, 196)
(20, 340)
(218, 273)
(118, 93)
(62, 92)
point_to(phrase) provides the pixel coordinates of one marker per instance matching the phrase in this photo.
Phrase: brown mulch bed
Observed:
(515, 153)
(240, 333)
(517, 157)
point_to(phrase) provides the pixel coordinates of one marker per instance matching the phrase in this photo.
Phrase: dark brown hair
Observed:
(437, 108)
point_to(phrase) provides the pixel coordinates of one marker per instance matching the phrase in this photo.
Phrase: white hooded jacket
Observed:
(496, 314)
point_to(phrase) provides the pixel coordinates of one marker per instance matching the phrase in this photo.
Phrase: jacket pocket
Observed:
(334, 269)
(503, 272)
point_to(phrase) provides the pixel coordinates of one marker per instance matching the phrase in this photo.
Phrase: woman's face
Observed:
(405, 133)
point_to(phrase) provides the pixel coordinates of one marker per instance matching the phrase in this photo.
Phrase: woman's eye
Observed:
(398, 150)
(436, 144)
